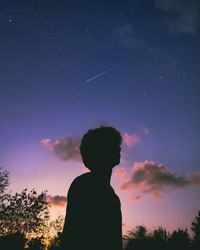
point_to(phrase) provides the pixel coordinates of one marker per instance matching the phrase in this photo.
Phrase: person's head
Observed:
(100, 148)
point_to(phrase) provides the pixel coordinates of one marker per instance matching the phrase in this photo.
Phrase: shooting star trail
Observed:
(101, 74)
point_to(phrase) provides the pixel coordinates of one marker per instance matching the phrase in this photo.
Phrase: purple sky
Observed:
(67, 66)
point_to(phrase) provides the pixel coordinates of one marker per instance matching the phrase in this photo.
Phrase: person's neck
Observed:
(103, 177)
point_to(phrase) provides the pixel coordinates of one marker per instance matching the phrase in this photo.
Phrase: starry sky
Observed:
(67, 66)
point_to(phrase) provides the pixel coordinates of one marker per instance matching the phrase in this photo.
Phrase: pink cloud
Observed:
(137, 197)
(66, 149)
(155, 179)
(130, 140)
(120, 172)
(47, 143)
(57, 200)
(194, 178)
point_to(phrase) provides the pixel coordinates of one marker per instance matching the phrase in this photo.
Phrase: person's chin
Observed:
(116, 163)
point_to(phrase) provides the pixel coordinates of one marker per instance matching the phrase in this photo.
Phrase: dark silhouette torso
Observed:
(93, 217)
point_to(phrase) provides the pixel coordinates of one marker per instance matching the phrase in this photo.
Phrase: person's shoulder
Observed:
(81, 182)
(82, 179)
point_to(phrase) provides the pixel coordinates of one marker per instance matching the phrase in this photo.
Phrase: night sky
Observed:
(67, 66)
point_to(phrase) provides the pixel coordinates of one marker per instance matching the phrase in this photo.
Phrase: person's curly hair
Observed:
(100, 145)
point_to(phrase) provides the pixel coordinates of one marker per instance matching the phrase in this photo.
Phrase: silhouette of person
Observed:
(93, 217)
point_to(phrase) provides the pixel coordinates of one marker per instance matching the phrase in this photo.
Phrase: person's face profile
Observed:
(114, 155)
(117, 155)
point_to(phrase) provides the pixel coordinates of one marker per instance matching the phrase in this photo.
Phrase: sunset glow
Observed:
(68, 66)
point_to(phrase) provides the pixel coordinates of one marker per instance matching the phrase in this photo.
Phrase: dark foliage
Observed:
(140, 239)
(55, 242)
(27, 213)
(4, 180)
(24, 212)
(196, 231)
(12, 241)
(36, 244)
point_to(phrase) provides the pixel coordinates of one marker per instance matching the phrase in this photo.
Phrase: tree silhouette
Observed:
(4, 180)
(22, 215)
(159, 238)
(139, 233)
(160, 234)
(51, 232)
(12, 241)
(55, 242)
(24, 212)
(196, 231)
(140, 239)
(137, 239)
(37, 243)
(25, 224)
(180, 239)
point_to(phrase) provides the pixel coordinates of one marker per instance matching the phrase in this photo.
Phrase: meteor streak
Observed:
(100, 74)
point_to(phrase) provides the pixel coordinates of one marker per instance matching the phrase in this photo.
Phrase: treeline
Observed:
(24, 219)
(25, 224)
(160, 239)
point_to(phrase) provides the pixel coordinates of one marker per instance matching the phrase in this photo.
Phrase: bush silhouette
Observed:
(196, 231)
(12, 241)
(25, 214)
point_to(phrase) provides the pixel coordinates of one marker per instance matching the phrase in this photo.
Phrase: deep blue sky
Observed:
(149, 51)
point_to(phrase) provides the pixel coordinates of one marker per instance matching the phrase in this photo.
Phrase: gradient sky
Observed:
(67, 66)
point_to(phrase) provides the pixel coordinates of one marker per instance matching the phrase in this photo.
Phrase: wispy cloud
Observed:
(66, 149)
(57, 200)
(130, 140)
(184, 14)
(194, 178)
(126, 36)
(155, 179)
(120, 172)
(137, 197)
(146, 131)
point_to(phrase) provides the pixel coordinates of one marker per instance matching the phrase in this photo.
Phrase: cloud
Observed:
(130, 140)
(146, 131)
(57, 200)
(125, 35)
(154, 178)
(184, 14)
(120, 172)
(137, 197)
(194, 178)
(66, 149)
